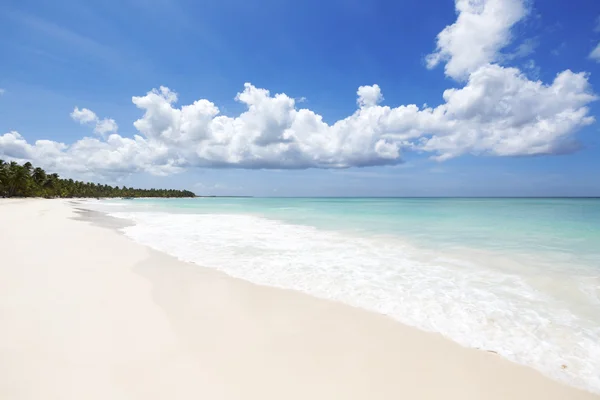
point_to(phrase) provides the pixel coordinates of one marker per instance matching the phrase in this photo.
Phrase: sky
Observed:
(311, 98)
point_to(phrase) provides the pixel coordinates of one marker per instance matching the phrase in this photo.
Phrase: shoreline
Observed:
(151, 326)
(480, 298)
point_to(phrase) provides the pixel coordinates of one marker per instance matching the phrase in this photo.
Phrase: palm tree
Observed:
(28, 167)
(39, 176)
(17, 180)
(25, 180)
(3, 178)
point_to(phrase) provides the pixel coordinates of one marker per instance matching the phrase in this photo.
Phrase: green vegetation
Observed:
(26, 181)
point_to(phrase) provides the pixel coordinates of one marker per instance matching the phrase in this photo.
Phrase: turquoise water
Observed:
(516, 276)
(570, 227)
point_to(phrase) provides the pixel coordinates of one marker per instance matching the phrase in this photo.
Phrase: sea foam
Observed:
(462, 299)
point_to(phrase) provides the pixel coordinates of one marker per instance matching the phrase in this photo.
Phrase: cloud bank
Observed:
(497, 112)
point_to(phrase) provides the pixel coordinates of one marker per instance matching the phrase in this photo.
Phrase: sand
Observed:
(85, 313)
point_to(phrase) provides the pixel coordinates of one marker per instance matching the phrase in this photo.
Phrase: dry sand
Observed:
(85, 313)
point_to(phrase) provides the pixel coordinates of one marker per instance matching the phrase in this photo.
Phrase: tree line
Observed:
(26, 181)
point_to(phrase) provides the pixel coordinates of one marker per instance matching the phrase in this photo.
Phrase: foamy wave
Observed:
(465, 301)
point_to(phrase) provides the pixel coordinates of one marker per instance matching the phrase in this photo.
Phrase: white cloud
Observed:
(114, 156)
(87, 116)
(481, 30)
(595, 54)
(369, 96)
(15, 147)
(84, 115)
(2, 91)
(498, 111)
(105, 126)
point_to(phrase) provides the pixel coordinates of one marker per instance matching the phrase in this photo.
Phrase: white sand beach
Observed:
(86, 313)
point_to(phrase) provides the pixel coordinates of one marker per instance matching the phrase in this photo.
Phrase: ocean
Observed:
(520, 277)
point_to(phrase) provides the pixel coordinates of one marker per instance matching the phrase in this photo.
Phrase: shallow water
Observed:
(517, 276)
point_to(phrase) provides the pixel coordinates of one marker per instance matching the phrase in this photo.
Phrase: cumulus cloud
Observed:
(84, 116)
(89, 156)
(15, 147)
(87, 116)
(501, 112)
(369, 96)
(595, 54)
(481, 30)
(497, 111)
(105, 126)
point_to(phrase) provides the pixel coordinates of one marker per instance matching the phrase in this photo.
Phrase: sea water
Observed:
(520, 277)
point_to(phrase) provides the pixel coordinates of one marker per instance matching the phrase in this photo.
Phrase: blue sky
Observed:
(96, 55)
